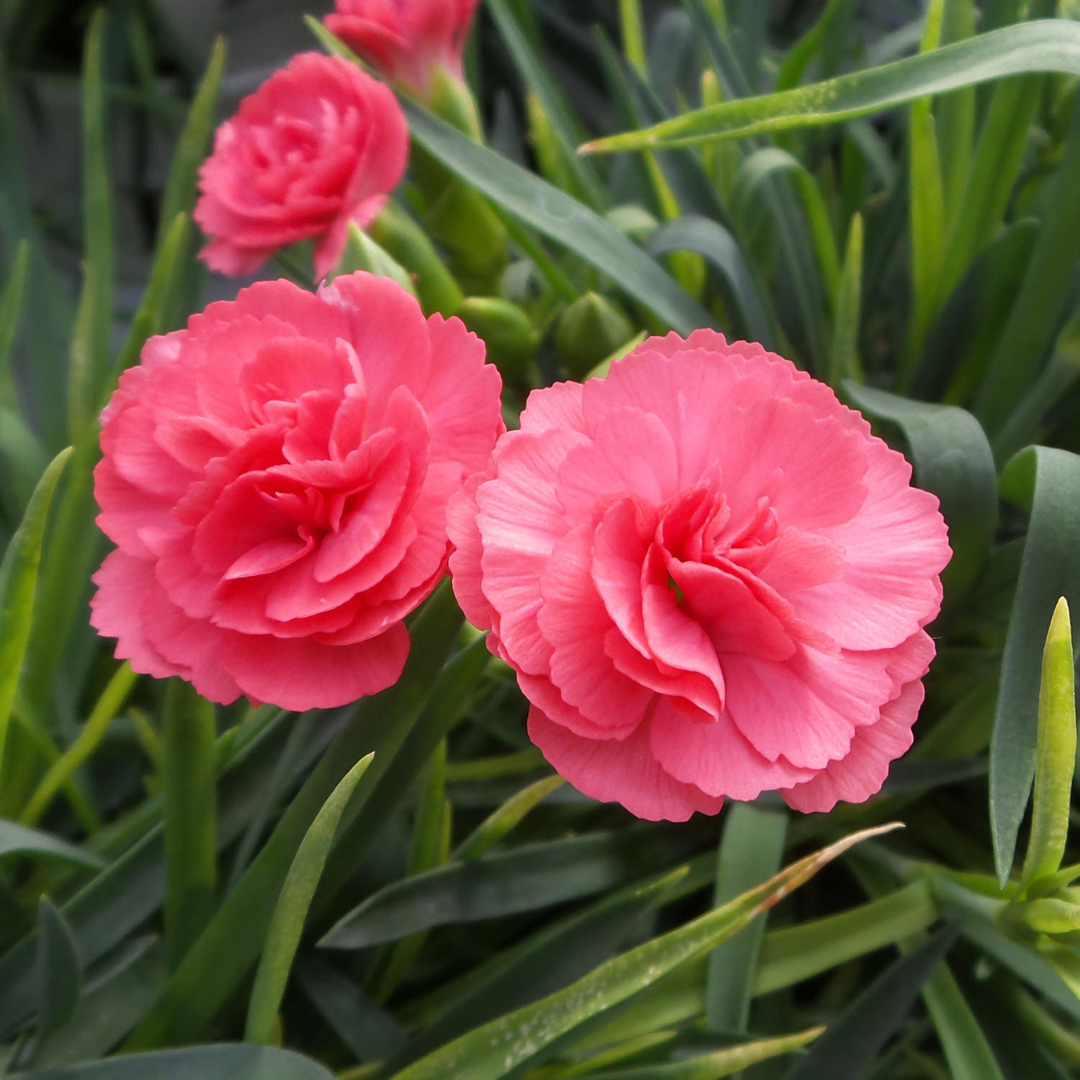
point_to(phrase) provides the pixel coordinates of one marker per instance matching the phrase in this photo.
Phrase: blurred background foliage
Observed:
(922, 259)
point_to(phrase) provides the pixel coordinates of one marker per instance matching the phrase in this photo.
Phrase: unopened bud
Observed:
(507, 332)
(589, 331)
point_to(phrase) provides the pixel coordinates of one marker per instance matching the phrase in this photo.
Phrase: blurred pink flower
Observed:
(318, 145)
(405, 40)
(276, 479)
(710, 578)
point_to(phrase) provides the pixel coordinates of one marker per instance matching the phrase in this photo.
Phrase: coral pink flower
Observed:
(710, 578)
(406, 39)
(318, 145)
(276, 479)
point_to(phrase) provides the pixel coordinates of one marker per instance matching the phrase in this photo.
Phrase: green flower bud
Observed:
(589, 331)
(507, 332)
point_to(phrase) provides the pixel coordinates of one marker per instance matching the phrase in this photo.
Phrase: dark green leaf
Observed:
(226, 951)
(368, 1030)
(848, 1049)
(219, 1062)
(720, 249)
(492, 1051)
(16, 839)
(523, 879)
(1037, 315)
(18, 586)
(59, 970)
(561, 218)
(189, 785)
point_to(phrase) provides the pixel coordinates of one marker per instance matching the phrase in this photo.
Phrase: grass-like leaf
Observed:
(1051, 45)
(290, 912)
(18, 587)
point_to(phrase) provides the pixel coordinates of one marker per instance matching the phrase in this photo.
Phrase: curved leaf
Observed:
(290, 912)
(59, 970)
(16, 839)
(18, 586)
(560, 218)
(771, 161)
(522, 879)
(1047, 481)
(720, 249)
(1044, 45)
(492, 1051)
(219, 1062)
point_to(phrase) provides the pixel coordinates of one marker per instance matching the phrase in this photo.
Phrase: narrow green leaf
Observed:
(59, 970)
(969, 323)
(544, 963)
(368, 1030)
(720, 249)
(98, 228)
(79, 752)
(230, 945)
(164, 273)
(952, 458)
(559, 217)
(521, 879)
(218, 1062)
(17, 839)
(845, 344)
(18, 586)
(796, 953)
(1036, 406)
(927, 228)
(633, 36)
(1051, 45)
(492, 1051)
(751, 851)
(994, 167)
(848, 1049)
(10, 307)
(956, 112)
(189, 785)
(108, 1009)
(720, 1063)
(180, 188)
(132, 889)
(966, 1049)
(799, 56)
(290, 912)
(751, 180)
(496, 826)
(1037, 314)
(1055, 752)
(566, 132)
(1047, 481)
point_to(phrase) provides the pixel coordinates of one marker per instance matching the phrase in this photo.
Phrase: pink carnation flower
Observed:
(276, 479)
(406, 40)
(710, 578)
(317, 146)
